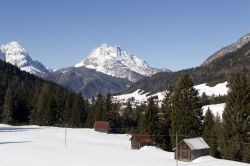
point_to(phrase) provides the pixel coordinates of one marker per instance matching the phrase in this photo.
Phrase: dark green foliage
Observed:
(129, 118)
(210, 128)
(165, 123)
(77, 111)
(44, 115)
(186, 114)
(236, 121)
(27, 99)
(8, 107)
(151, 119)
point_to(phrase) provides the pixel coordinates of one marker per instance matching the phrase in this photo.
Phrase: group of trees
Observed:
(26, 99)
(181, 113)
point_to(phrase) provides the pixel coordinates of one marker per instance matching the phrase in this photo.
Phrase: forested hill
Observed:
(216, 71)
(27, 99)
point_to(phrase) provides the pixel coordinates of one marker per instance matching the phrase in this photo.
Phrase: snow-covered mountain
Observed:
(15, 54)
(228, 49)
(112, 60)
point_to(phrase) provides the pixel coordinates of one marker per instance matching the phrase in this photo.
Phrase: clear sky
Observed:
(172, 34)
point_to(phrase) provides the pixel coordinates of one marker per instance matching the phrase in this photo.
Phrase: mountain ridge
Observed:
(15, 54)
(218, 70)
(112, 60)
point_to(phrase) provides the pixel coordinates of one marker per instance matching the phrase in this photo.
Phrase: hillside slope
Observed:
(89, 82)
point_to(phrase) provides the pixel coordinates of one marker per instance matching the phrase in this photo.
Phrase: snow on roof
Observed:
(196, 143)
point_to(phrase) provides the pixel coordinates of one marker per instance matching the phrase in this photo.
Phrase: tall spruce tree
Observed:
(75, 118)
(151, 119)
(186, 114)
(209, 129)
(44, 114)
(8, 107)
(67, 109)
(165, 123)
(236, 119)
(129, 118)
(99, 108)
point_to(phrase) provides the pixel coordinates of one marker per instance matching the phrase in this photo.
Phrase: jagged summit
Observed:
(15, 54)
(112, 60)
(228, 49)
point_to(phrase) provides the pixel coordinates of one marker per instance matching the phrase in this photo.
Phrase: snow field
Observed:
(39, 146)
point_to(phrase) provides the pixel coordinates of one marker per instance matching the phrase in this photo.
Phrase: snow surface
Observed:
(219, 89)
(196, 143)
(140, 96)
(39, 146)
(112, 60)
(215, 109)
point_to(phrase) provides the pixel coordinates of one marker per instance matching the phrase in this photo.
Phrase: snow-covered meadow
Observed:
(37, 146)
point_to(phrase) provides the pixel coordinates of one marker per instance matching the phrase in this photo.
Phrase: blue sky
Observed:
(172, 34)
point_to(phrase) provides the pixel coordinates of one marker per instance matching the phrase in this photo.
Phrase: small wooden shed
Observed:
(140, 139)
(102, 126)
(192, 148)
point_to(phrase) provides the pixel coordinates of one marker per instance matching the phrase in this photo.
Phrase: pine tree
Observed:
(108, 106)
(99, 109)
(186, 114)
(165, 123)
(151, 119)
(44, 114)
(67, 109)
(8, 107)
(209, 130)
(59, 106)
(129, 118)
(76, 111)
(236, 118)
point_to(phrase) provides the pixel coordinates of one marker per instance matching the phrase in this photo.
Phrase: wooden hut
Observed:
(139, 140)
(102, 126)
(192, 148)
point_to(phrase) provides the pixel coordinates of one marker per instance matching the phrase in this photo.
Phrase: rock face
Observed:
(228, 49)
(15, 54)
(112, 60)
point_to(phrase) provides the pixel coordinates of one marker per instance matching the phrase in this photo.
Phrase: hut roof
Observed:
(196, 143)
(101, 125)
(142, 137)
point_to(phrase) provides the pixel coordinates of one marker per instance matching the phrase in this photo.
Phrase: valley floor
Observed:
(37, 146)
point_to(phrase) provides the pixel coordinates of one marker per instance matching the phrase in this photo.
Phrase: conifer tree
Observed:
(108, 106)
(59, 106)
(165, 123)
(151, 119)
(186, 114)
(8, 107)
(67, 108)
(99, 109)
(76, 111)
(236, 118)
(129, 117)
(209, 129)
(44, 113)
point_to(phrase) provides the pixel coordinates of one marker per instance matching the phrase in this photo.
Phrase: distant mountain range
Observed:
(218, 68)
(105, 69)
(111, 69)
